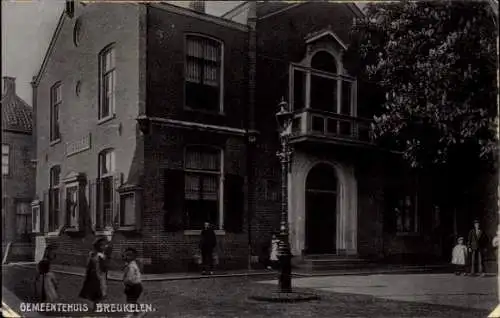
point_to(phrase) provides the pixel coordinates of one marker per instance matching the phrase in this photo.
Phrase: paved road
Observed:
(228, 298)
(440, 289)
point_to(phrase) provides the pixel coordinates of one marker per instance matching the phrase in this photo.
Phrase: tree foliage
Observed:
(435, 63)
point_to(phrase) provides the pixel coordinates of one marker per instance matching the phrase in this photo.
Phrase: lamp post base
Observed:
(278, 297)
(285, 279)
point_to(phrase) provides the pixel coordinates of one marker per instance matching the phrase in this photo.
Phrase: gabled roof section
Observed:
(327, 32)
(265, 9)
(199, 15)
(240, 8)
(17, 115)
(50, 49)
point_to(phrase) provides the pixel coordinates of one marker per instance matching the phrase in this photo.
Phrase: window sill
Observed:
(198, 232)
(127, 228)
(205, 111)
(106, 119)
(55, 141)
(404, 234)
(53, 234)
(104, 232)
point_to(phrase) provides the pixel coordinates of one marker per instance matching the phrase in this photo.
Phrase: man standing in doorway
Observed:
(477, 245)
(208, 241)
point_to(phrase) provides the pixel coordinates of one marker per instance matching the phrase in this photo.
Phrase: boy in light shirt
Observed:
(132, 277)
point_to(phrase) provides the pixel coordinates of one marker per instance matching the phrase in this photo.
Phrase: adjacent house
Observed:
(18, 173)
(153, 118)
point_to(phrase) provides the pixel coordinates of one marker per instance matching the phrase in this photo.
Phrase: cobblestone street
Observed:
(341, 296)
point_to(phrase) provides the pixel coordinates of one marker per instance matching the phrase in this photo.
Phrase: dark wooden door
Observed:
(321, 214)
(321, 222)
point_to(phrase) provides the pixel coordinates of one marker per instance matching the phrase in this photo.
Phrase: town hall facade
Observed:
(153, 118)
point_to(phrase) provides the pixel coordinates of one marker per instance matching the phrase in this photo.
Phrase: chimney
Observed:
(9, 84)
(198, 6)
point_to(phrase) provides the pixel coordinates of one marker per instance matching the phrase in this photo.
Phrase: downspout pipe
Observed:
(250, 138)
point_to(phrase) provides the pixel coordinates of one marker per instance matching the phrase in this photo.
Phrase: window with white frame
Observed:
(322, 89)
(106, 189)
(320, 84)
(55, 109)
(72, 206)
(5, 160)
(127, 210)
(23, 219)
(54, 198)
(203, 73)
(35, 212)
(202, 186)
(407, 215)
(107, 73)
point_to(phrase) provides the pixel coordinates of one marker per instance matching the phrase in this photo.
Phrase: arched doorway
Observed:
(321, 210)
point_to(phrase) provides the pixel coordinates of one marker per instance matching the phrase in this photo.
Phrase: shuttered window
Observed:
(106, 190)
(202, 187)
(54, 198)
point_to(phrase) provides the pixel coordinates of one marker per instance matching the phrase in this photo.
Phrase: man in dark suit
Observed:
(477, 243)
(208, 241)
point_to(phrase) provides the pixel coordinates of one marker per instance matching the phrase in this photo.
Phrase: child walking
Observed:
(132, 277)
(48, 282)
(273, 257)
(459, 257)
(95, 283)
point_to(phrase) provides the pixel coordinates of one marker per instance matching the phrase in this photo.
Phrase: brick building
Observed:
(152, 118)
(18, 173)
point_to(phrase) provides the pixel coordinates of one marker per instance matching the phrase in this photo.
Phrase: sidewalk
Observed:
(118, 276)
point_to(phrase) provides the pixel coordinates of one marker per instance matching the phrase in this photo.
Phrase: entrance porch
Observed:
(322, 206)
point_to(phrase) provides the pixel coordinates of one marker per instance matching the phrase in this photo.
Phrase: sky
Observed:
(27, 27)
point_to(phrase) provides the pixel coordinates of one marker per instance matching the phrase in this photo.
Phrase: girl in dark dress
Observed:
(95, 284)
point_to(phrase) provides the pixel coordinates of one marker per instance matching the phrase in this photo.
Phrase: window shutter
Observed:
(233, 203)
(44, 212)
(117, 182)
(98, 205)
(92, 205)
(50, 208)
(62, 216)
(173, 204)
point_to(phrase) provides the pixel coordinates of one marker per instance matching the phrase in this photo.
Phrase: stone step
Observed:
(332, 262)
(329, 256)
(335, 266)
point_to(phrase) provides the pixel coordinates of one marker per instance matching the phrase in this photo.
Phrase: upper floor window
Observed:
(106, 189)
(202, 186)
(320, 85)
(5, 160)
(107, 73)
(55, 108)
(54, 198)
(324, 61)
(203, 74)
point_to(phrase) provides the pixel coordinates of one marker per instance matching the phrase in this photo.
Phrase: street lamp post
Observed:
(284, 119)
